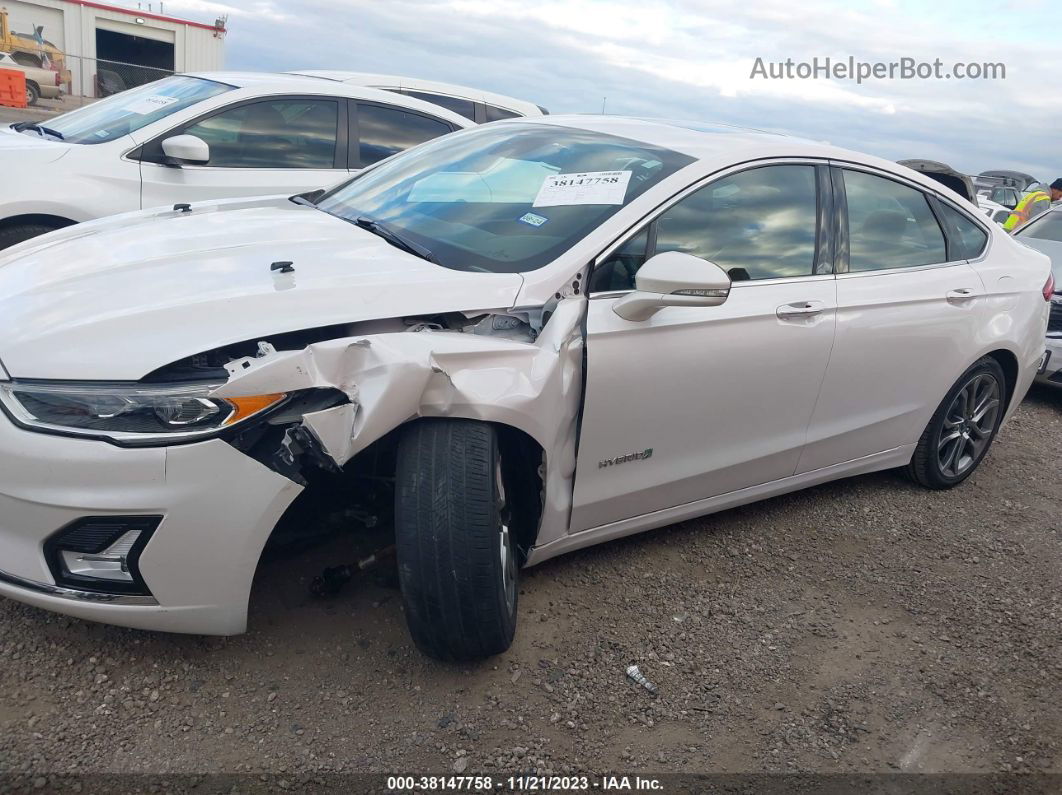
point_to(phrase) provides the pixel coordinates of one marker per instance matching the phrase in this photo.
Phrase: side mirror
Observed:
(673, 279)
(180, 149)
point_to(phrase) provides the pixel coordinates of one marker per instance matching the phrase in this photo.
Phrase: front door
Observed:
(698, 402)
(282, 145)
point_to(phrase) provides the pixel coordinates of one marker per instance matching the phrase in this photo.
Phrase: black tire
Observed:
(926, 467)
(32, 93)
(11, 235)
(451, 532)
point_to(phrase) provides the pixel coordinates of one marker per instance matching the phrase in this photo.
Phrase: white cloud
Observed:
(693, 58)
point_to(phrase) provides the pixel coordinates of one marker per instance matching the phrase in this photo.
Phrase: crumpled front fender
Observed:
(392, 378)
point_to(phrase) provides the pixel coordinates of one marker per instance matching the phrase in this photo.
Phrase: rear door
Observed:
(281, 144)
(908, 308)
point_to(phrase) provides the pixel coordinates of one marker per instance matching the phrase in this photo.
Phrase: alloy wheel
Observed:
(968, 425)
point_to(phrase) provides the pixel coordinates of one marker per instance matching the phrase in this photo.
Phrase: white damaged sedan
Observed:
(512, 342)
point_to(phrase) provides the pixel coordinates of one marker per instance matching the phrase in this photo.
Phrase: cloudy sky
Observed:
(692, 59)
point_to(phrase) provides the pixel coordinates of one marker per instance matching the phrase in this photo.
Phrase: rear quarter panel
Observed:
(1015, 312)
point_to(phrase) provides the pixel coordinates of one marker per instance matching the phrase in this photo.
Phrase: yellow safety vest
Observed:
(1028, 207)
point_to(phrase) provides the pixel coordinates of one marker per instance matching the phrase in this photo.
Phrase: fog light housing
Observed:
(101, 553)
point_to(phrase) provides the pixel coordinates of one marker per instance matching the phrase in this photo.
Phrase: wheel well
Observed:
(36, 219)
(370, 475)
(523, 468)
(1009, 362)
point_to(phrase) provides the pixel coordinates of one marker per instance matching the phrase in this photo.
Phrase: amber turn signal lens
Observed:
(247, 406)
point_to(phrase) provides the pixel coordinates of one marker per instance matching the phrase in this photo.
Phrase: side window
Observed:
(384, 131)
(971, 238)
(757, 224)
(617, 272)
(464, 107)
(889, 225)
(286, 133)
(497, 114)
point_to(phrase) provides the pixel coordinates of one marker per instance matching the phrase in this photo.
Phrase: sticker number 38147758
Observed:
(591, 187)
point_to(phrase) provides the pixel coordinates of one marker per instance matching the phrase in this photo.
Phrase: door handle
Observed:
(960, 295)
(800, 309)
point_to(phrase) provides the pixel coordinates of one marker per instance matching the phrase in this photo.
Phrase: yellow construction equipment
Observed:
(32, 50)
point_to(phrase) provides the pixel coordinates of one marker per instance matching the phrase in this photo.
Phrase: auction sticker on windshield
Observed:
(147, 105)
(591, 187)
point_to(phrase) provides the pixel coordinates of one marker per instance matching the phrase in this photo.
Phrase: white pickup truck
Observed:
(39, 82)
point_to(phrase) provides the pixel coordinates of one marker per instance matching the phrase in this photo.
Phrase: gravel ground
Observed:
(865, 625)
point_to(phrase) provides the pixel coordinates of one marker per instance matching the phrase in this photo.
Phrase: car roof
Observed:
(520, 106)
(726, 145)
(283, 82)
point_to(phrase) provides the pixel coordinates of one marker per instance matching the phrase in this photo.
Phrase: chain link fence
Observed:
(70, 81)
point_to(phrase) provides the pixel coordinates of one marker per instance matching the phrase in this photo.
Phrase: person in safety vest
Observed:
(1030, 206)
(1056, 190)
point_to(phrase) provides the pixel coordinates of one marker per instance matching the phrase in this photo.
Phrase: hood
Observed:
(118, 298)
(28, 149)
(1053, 249)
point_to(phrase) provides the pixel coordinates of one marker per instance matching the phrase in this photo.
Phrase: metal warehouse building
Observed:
(108, 48)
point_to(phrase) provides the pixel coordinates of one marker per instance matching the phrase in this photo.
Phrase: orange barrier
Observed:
(12, 88)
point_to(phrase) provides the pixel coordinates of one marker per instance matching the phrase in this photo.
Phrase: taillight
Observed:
(57, 79)
(1049, 287)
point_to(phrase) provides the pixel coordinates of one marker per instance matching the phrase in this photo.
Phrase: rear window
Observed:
(463, 107)
(495, 113)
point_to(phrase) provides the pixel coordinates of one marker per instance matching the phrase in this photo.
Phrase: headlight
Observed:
(129, 413)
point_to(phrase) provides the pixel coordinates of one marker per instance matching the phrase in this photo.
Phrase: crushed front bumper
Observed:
(218, 508)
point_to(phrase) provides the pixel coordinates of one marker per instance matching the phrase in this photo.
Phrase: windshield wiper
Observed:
(19, 126)
(394, 238)
(301, 200)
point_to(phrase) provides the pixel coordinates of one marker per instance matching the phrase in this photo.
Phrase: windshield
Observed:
(130, 110)
(504, 198)
(1046, 227)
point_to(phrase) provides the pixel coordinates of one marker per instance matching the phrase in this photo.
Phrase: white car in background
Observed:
(1044, 233)
(472, 103)
(993, 211)
(517, 340)
(39, 82)
(194, 137)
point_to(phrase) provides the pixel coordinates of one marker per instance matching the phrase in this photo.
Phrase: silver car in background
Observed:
(1044, 233)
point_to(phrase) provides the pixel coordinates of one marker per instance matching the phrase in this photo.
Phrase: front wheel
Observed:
(962, 429)
(457, 562)
(32, 93)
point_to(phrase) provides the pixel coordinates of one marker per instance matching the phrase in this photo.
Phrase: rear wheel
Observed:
(962, 429)
(11, 235)
(457, 563)
(32, 93)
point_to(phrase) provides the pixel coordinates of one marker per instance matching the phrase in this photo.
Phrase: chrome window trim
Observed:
(75, 595)
(816, 277)
(675, 198)
(904, 269)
